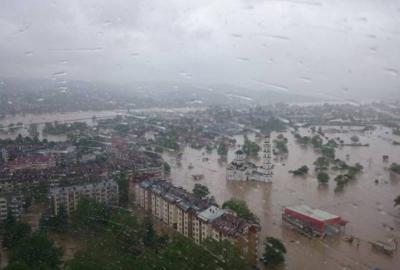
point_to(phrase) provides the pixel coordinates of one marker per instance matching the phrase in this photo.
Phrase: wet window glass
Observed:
(172, 134)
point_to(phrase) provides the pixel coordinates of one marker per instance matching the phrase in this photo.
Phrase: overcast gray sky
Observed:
(335, 47)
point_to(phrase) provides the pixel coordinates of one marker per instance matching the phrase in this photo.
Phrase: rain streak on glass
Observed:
(224, 134)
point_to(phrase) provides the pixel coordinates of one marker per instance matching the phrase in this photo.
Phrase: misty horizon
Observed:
(333, 50)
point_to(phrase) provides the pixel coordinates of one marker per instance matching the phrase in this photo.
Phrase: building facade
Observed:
(312, 222)
(13, 203)
(240, 169)
(196, 218)
(104, 191)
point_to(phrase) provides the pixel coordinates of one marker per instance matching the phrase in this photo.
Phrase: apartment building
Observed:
(105, 191)
(4, 154)
(11, 202)
(194, 217)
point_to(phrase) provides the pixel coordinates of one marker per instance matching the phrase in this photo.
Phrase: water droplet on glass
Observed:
(60, 73)
(392, 71)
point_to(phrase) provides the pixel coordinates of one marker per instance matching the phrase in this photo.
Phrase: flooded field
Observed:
(366, 205)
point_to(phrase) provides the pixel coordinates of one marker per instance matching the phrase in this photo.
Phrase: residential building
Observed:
(105, 191)
(194, 217)
(4, 154)
(11, 202)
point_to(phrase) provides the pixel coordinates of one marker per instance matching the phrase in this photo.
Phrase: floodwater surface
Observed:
(366, 205)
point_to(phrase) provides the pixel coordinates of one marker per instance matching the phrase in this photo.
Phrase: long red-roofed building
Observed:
(311, 221)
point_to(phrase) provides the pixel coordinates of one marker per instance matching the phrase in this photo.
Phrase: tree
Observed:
(167, 168)
(303, 170)
(355, 139)
(328, 152)
(150, 236)
(395, 168)
(316, 141)
(14, 231)
(90, 215)
(61, 221)
(332, 143)
(37, 252)
(397, 201)
(241, 209)
(323, 177)
(200, 190)
(222, 149)
(250, 148)
(321, 163)
(227, 253)
(274, 252)
(123, 189)
(17, 266)
(58, 223)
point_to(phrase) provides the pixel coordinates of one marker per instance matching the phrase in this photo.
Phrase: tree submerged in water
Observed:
(303, 170)
(323, 177)
(222, 149)
(397, 201)
(250, 148)
(395, 168)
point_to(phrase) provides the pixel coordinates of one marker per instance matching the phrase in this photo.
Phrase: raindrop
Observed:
(306, 79)
(107, 23)
(28, 53)
(275, 86)
(60, 73)
(243, 58)
(186, 75)
(236, 35)
(279, 37)
(363, 19)
(373, 48)
(392, 71)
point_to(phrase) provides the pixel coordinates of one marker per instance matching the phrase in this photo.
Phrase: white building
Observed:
(240, 169)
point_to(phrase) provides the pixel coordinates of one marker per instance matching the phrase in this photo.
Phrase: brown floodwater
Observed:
(366, 205)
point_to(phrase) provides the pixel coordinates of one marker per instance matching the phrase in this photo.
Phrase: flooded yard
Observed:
(368, 206)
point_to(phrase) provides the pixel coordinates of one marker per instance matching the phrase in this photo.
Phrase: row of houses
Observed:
(196, 218)
(33, 162)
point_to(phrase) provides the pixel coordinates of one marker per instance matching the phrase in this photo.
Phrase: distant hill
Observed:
(40, 95)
